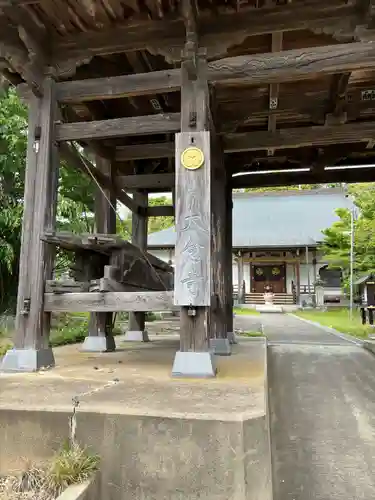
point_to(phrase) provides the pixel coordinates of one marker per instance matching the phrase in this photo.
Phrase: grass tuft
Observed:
(72, 465)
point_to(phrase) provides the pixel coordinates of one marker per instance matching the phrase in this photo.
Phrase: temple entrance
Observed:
(270, 275)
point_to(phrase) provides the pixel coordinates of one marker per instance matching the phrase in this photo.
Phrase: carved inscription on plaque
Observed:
(193, 216)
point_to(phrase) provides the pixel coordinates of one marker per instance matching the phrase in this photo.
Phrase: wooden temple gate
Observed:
(276, 89)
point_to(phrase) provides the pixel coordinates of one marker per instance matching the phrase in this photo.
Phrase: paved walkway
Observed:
(322, 403)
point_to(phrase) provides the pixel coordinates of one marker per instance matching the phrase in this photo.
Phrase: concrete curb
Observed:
(342, 336)
(84, 491)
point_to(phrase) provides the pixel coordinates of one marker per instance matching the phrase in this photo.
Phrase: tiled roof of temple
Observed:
(276, 218)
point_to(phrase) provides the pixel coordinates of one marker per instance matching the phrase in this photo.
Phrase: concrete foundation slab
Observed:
(136, 336)
(221, 347)
(175, 438)
(98, 344)
(27, 360)
(194, 364)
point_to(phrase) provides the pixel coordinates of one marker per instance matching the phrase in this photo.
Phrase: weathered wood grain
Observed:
(168, 37)
(66, 286)
(109, 302)
(312, 177)
(41, 254)
(146, 181)
(119, 127)
(115, 87)
(160, 211)
(300, 137)
(147, 151)
(140, 271)
(27, 225)
(103, 244)
(193, 225)
(101, 324)
(254, 141)
(228, 260)
(255, 69)
(217, 312)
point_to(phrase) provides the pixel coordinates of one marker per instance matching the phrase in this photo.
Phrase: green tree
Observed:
(336, 244)
(159, 223)
(75, 197)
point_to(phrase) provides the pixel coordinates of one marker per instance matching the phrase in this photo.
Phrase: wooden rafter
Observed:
(228, 29)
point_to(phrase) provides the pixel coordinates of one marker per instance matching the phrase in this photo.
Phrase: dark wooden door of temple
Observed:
(272, 276)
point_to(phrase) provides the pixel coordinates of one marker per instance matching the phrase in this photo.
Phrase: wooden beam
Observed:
(108, 302)
(103, 244)
(255, 69)
(168, 36)
(145, 151)
(248, 141)
(160, 211)
(119, 127)
(146, 181)
(299, 137)
(295, 178)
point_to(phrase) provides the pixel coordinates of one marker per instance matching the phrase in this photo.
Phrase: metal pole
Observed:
(351, 262)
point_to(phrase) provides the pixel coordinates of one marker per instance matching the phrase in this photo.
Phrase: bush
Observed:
(67, 329)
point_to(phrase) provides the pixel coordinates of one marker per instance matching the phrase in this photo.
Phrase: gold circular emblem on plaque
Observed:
(192, 158)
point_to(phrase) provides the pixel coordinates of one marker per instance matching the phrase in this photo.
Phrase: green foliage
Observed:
(159, 223)
(339, 319)
(12, 161)
(336, 244)
(251, 334)
(73, 464)
(244, 311)
(75, 198)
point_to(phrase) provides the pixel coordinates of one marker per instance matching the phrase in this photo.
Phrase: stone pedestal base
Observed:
(232, 338)
(136, 336)
(96, 343)
(221, 347)
(194, 365)
(27, 360)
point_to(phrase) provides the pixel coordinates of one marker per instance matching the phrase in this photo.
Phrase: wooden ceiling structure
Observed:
(292, 82)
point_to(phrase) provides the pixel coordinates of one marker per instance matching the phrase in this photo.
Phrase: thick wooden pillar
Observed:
(192, 284)
(31, 340)
(100, 334)
(136, 330)
(221, 315)
(228, 273)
